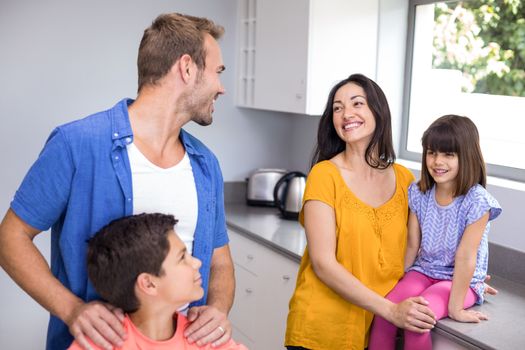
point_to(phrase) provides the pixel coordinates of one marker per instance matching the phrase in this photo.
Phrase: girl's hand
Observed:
(471, 316)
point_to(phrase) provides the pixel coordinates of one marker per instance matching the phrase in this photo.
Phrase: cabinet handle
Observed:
(249, 290)
(249, 257)
(286, 277)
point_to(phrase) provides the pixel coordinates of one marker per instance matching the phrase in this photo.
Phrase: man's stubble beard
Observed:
(198, 106)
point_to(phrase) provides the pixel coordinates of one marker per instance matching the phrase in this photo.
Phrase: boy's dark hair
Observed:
(124, 249)
(456, 134)
(380, 152)
(170, 36)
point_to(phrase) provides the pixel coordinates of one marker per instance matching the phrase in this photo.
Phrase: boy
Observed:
(139, 264)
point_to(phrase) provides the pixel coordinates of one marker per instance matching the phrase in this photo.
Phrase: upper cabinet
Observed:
(291, 52)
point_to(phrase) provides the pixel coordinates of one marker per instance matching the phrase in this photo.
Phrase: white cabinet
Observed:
(291, 52)
(265, 281)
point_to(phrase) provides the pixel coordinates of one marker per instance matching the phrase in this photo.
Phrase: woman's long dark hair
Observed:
(380, 152)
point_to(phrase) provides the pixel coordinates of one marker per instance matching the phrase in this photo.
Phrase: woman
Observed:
(355, 216)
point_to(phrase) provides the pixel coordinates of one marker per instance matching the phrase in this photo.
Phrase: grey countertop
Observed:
(265, 226)
(506, 310)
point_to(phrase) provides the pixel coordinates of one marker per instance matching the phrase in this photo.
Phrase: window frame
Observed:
(500, 171)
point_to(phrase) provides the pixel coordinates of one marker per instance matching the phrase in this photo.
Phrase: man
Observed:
(132, 158)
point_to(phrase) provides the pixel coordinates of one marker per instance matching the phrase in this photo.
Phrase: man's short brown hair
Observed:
(168, 38)
(124, 249)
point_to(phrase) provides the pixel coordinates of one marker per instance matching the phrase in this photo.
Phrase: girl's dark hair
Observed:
(124, 249)
(453, 133)
(380, 152)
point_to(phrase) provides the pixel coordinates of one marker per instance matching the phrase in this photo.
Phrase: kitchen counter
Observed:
(506, 310)
(264, 226)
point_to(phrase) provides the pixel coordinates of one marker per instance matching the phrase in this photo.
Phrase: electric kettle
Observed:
(289, 199)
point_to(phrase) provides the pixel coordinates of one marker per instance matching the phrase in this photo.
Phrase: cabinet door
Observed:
(280, 55)
(343, 41)
(246, 253)
(265, 281)
(244, 307)
(279, 285)
(291, 53)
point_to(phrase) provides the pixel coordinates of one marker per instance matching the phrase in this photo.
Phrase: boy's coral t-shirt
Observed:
(138, 341)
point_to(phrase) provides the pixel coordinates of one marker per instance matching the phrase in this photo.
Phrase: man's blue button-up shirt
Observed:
(82, 180)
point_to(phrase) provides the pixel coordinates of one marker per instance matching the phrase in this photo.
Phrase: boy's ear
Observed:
(147, 284)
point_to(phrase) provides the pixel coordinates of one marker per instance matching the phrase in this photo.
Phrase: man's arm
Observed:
(210, 322)
(24, 263)
(222, 280)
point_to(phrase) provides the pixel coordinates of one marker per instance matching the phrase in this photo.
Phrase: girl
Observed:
(447, 249)
(355, 213)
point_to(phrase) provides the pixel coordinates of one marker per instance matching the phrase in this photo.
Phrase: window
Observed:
(468, 58)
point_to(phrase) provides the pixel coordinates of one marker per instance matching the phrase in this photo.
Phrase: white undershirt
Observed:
(166, 191)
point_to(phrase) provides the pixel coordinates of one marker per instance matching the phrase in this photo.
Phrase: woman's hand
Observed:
(413, 314)
(471, 316)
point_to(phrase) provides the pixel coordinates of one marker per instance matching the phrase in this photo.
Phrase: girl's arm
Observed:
(320, 227)
(414, 240)
(465, 264)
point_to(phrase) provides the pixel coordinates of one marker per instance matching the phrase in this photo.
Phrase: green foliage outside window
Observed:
(485, 40)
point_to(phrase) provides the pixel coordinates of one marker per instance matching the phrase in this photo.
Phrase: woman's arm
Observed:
(413, 241)
(465, 264)
(320, 226)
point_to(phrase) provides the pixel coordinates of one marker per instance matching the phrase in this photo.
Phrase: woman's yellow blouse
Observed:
(371, 244)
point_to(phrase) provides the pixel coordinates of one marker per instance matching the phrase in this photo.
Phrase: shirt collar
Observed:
(120, 125)
(190, 144)
(121, 129)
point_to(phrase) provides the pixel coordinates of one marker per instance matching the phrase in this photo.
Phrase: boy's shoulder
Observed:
(182, 322)
(135, 340)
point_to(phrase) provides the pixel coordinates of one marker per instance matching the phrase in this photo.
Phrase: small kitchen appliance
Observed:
(261, 184)
(288, 194)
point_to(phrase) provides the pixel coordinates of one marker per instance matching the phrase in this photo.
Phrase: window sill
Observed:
(491, 180)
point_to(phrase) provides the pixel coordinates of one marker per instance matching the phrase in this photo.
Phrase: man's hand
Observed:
(414, 315)
(208, 325)
(100, 322)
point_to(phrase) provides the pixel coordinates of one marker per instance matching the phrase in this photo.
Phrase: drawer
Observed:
(246, 253)
(243, 314)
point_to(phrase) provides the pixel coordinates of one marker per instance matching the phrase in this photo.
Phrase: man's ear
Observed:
(147, 284)
(186, 67)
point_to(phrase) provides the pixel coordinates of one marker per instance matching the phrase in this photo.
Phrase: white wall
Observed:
(63, 59)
